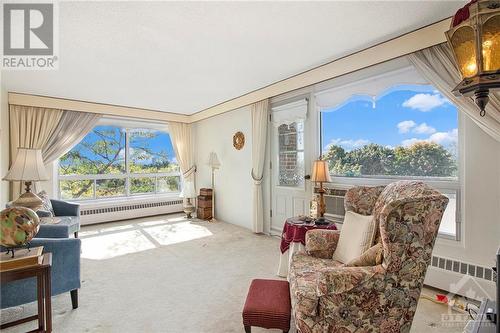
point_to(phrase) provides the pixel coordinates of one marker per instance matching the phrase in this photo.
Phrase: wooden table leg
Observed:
(48, 300)
(40, 295)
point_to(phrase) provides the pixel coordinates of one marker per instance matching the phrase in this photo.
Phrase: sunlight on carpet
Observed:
(110, 242)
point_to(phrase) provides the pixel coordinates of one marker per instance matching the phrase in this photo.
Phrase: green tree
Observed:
(420, 159)
(374, 159)
(103, 152)
(424, 159)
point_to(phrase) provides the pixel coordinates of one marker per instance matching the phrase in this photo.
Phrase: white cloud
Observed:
(423, 128)
(425, 102)
(409, 125)
(348, 144)
(409, 142)
(405, 126)
(442, 138)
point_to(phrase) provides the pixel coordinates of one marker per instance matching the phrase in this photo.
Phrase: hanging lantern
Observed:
(474, 37)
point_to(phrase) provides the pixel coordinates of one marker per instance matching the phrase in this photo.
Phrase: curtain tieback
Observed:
(257, 180)
(189, 172)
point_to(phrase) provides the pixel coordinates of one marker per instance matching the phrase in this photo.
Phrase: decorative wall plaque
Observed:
(238, 140)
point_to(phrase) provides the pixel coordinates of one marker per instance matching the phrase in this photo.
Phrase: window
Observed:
(114, 161)
(291, 154)
(406, 132)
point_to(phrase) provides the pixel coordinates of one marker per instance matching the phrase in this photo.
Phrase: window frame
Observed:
(127, 175)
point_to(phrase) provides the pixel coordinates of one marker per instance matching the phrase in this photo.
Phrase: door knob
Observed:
(307, 177)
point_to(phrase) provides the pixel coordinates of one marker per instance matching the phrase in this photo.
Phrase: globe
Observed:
(18, 226)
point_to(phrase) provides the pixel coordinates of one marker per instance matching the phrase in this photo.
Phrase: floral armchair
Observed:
(328, 296)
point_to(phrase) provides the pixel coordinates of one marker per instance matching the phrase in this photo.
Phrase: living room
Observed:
(217, 167)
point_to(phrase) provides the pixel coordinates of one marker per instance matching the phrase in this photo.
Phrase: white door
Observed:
(290, 162)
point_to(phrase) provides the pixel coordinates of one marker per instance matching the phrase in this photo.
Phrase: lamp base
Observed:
(321, 221)
(29, 200)
(189, 208)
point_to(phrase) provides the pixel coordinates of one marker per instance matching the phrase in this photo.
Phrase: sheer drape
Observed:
(30, 127)
(71, 129)
(437, 66)
(259, 137)
(181, 136)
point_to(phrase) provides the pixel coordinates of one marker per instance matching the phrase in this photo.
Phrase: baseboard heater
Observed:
(115, 211)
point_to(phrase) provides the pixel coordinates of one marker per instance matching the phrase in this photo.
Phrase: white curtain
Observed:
(71, 129)
(30, 127)
(259, 137)
(436, 64)
(182, 141)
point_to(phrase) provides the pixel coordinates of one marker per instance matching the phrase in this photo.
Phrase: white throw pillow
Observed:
(356, 236)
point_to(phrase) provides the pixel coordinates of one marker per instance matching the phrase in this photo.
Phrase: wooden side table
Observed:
(42, 274)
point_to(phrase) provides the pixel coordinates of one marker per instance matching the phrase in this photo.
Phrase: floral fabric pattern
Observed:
(329, 297)
(371, 257)
(362, 199)
(322, 243)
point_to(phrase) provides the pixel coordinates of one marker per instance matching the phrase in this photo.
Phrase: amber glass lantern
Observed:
(474, 37)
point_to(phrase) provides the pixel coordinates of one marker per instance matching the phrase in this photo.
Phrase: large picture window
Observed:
(407, 132)
(114, 161)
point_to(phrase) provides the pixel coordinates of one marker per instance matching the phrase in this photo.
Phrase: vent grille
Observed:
(126, 207)
(486, 273)
(334, 202)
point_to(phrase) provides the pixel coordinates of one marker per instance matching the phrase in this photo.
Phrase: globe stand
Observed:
(14, 248)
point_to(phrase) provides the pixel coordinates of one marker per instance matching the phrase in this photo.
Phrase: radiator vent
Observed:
(480, 272)
(126, 207)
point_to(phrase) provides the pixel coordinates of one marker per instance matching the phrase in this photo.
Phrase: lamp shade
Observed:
(213, 161)
(28, 166)
(188, 190)
(320, 172)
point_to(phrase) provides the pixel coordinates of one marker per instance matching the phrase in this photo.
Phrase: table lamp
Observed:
(28, 167)
(321, 174)
(214, 163)
(188, 192)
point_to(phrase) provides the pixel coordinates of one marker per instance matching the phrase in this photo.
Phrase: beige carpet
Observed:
(167, 274)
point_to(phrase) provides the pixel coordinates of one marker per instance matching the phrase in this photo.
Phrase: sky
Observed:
(402, 116)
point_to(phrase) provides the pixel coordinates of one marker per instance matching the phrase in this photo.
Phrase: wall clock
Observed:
(238, 140)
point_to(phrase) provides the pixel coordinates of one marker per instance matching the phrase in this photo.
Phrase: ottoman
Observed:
(267, 305)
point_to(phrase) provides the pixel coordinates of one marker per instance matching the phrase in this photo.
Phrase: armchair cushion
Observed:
(356, 237)
(371, 257)
(321, 243)
(46, 204)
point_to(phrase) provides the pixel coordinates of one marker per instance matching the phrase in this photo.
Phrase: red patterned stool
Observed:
(267, 305)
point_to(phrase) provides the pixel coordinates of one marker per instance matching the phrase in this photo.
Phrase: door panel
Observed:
(290, 153)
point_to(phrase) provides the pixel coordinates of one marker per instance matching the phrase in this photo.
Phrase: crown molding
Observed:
(105, 109)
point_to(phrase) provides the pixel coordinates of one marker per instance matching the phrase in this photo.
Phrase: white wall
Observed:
(233, 183)
(480, 207)
(4, 143)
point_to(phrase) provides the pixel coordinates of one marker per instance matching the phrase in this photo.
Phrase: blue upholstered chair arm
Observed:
(64, 208)
(48, 231)
(65, 272)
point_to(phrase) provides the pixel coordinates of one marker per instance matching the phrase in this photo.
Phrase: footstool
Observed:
(267, 305)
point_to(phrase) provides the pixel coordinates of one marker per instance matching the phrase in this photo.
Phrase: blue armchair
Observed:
(65, 273)
(69, 224)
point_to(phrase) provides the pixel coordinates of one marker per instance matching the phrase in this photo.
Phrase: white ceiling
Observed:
(184, 57)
